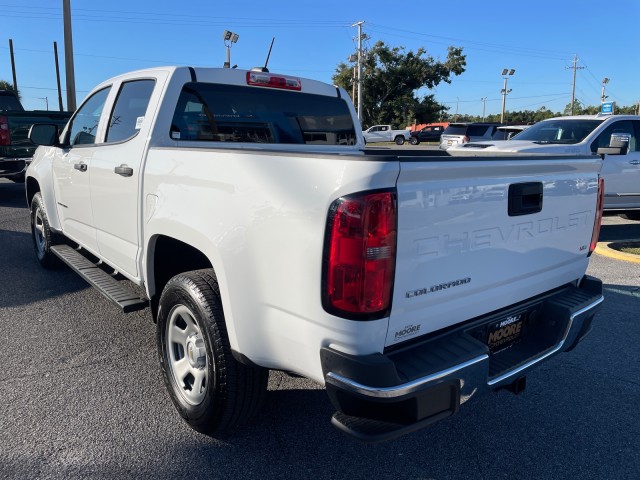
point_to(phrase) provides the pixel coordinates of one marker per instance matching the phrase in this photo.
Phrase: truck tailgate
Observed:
(468, 228)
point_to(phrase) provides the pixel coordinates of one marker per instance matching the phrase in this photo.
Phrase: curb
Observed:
(603, 249)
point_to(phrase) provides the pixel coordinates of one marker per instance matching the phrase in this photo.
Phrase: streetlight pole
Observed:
(484, 103)
(359, 25)
(605, 80)
(229, 38)
(506, 73)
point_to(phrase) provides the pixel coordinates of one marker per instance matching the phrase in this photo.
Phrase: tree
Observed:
(4, 85)
(391, 79)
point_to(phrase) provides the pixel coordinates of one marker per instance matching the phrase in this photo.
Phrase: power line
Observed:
(525, 51)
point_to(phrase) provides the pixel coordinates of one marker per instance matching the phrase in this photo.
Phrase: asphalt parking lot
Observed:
(82, 396)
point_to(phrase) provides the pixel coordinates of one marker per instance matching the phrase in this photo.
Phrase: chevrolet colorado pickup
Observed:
(15, 148)
(244, 210)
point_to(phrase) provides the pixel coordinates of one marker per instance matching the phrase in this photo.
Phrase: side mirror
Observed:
(602, 151)
(43, 134)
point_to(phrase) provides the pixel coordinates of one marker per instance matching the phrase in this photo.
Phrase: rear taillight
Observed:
(360, 256)
(262, 79)
(598, 221)
(5, 136)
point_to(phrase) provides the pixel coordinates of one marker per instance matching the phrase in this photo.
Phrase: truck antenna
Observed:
(268, 55)
(265, 69)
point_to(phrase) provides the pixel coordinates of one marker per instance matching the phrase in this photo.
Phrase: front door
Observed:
(621, 173)
(72, 172)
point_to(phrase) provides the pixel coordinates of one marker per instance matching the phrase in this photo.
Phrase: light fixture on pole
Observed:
(484, 103)
(506, 73)
(229, 39)
(605, 80)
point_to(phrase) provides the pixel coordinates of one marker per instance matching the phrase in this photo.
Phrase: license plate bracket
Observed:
(505, 332)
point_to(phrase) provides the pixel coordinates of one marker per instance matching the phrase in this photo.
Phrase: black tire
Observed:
(399, 140)
(231, 392)
(414, 141)
(632, 215)
(42, 236)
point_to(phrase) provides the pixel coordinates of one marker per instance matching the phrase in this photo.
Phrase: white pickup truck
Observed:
(384, 133)
(615, 137)
(244, 209)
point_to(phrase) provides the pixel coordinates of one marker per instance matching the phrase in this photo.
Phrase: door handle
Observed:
(123, 170)
(80, 166)
(635, 162)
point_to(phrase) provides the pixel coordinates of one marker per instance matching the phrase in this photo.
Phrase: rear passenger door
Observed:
(116, 173)
(621, 173)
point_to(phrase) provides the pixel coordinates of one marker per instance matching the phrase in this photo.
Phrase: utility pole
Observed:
(484, 102)
(55, 54)
(13, 67)
(359, 25)
(68, 56)
(575, 68)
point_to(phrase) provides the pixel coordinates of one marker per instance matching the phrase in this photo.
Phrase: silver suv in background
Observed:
(459, 133)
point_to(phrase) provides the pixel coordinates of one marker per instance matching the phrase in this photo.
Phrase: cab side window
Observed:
(84, 126)
(623, 127)
(129, 110)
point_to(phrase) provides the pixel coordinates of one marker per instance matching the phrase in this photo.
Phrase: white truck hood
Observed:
(517, 146)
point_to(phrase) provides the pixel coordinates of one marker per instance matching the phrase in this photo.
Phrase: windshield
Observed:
(560, 131)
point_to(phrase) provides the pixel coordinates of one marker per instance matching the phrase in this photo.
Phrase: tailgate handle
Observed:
(525, 198)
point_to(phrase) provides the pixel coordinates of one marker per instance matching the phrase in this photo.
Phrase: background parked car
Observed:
(430, 133)
(507, 132)
(458, 133)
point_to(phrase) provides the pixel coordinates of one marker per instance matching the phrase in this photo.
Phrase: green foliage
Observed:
(4, 85)
(529, 116)
(391, 79)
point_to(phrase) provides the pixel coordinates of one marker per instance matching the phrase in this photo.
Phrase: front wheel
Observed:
(211, 390)
(41, 234)
(399, 140)
(414, 141)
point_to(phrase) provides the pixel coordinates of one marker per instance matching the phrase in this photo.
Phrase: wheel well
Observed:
(33, 187)
(171, 257)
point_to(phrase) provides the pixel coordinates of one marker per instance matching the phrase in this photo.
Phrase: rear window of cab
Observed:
(209, 112)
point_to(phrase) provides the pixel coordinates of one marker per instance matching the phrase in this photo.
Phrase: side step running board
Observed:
(111, 288)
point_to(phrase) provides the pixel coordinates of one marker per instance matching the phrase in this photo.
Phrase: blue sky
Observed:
(538, 39)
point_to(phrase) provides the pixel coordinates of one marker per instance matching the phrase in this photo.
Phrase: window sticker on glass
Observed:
(139, 121)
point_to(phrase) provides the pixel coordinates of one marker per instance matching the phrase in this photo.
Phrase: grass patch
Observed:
(632, 248)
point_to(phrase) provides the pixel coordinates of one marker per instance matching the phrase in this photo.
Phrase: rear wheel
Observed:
(399, 140)
(42, 236)
(632, 215)
(414, 141)
(211, 390)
